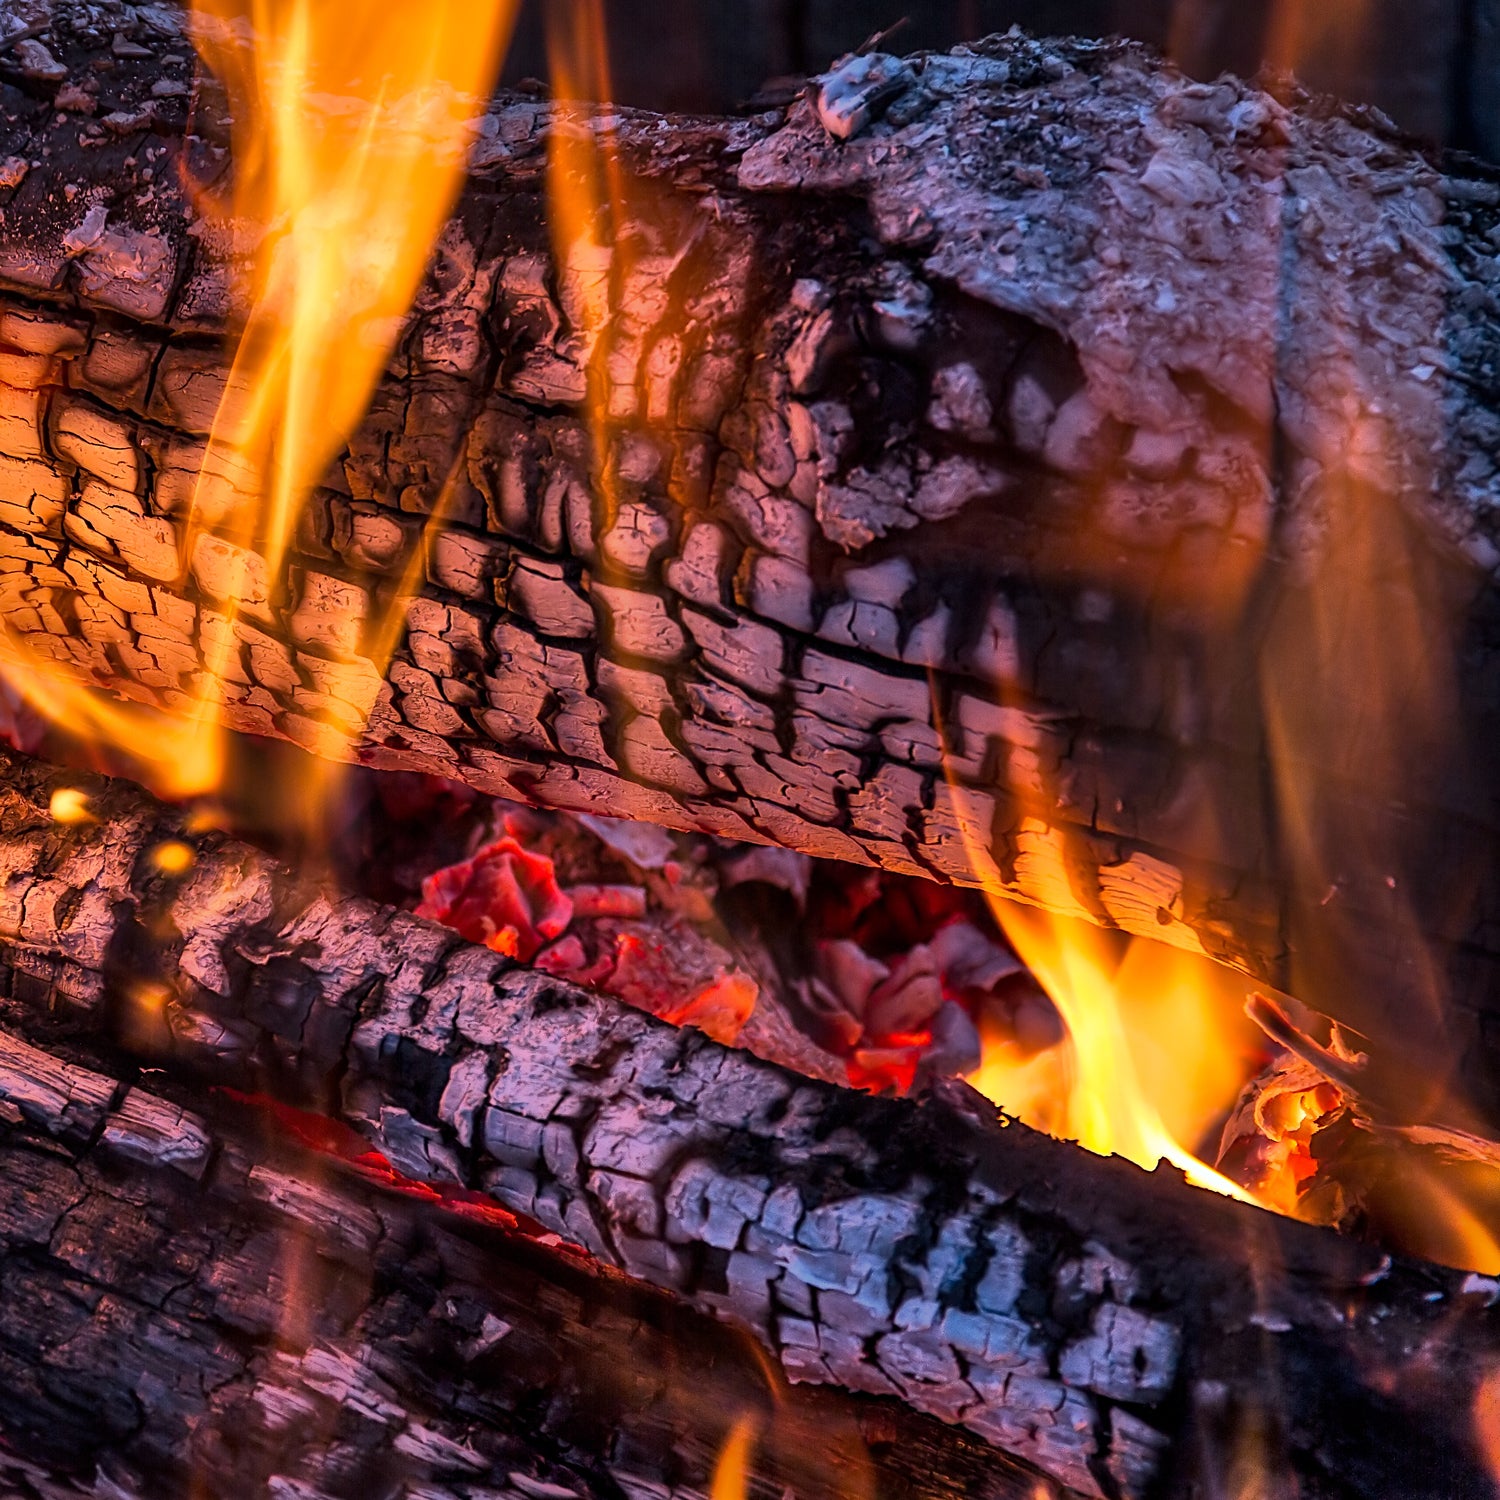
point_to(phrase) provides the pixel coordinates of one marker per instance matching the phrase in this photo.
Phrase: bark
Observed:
(200, 1304)
(979, 496)
(1117, 1329)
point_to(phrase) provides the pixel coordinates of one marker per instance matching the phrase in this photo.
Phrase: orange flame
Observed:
(1487, 1424)
(351, 124)
(731, 1479)
(1360, 697)
(1157, 1045)
(586, 205)
(1153, 1056)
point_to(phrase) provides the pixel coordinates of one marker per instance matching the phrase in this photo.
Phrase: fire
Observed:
(1153, 1056)
(1487, 1423)
(351, 124)
(70, 805)
(615, 261)
(587, 205)
(731, 1479)
(1157, 1046)
(1348, 620)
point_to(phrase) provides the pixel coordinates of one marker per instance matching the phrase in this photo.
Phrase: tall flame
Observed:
(731, 1480)
(587, 206)
(352, 123)
(351, 120)
(1370, 833)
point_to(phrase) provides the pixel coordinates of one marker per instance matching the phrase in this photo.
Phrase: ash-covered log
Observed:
(1117, 1329)
(975, 445)
(222, 1303)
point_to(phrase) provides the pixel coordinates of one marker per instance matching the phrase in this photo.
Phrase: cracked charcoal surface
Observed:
(1003, 396)
(196, 1306)
(1097, 1321)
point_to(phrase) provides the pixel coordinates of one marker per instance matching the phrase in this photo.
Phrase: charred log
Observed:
(1115, 1328)
(203, 1303)
(960, 486)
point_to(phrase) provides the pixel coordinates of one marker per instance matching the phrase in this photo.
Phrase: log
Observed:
(977, 492)
(1122, 1332)
(202, 1303)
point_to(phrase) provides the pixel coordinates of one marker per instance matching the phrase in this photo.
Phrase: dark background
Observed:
(1433, 65)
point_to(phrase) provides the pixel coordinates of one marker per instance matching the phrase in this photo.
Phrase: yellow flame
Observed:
(352, 156)
(1355, 669)
(70, 805)
(352, 124)
(1444, 1212)
(731, 1479)
(351, 121)
(176, 756)
(1147, 1043)
(1156, 1046)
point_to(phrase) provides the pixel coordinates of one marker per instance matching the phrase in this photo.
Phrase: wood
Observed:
(1401, 57)
(967, 490)
(1117, 1329)
(200, 1303)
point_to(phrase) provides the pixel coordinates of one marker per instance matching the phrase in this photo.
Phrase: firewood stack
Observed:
(964, 443)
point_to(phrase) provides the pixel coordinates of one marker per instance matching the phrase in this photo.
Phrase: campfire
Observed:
(784, 804)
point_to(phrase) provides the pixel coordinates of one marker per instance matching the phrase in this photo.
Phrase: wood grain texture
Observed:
(1122, 1332)
(960, 489)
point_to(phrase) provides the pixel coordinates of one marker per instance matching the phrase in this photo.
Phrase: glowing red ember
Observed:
(504, 897)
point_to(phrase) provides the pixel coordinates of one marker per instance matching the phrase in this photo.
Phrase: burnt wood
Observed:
(1124, 1333)
(963, 492)
(197, 1302)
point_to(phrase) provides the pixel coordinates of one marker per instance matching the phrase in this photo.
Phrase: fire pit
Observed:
(809, 775)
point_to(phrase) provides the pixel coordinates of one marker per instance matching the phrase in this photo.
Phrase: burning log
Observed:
(956, 471)
(212, 1304)
(1115, 1328)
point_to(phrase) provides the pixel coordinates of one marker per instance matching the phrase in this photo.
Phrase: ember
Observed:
(504, 898)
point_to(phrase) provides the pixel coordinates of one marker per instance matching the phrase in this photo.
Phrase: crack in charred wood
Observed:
(1073, 1311)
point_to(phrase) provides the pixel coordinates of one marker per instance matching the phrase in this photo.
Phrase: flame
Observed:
(1152, 1057)
(351, 124)
(1334, 37)
(587, 206)
(176, 756)
(1340, 611)
(615, 259)
(731, 1479)
(1156, 1046)
(1486, 1414)
(1365, 733)
(69, 804)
